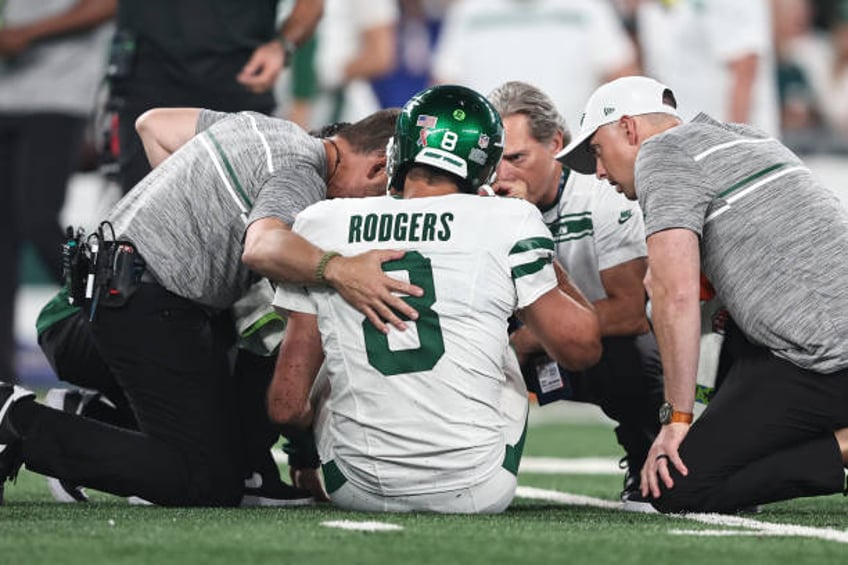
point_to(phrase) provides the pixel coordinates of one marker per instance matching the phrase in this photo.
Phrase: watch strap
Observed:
(681, 417)
(668, 415)
(289, 48)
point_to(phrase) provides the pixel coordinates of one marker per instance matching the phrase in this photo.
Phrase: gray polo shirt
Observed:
(773, 241)
(189, 215)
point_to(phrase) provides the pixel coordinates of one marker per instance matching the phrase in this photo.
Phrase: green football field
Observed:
(566, 513)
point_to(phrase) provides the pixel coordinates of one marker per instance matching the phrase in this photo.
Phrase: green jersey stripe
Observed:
(512, 457)
(207, 145)
(563, 227)
(232, 174)
(572, 215)
(739, 195)
(532, 243)
(573, 236)
(751, 178)
(530, 268)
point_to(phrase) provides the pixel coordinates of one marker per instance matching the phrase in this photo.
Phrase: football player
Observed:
(427, 419)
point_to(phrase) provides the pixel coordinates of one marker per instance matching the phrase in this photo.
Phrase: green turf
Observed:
(572, 440)
(35, 530)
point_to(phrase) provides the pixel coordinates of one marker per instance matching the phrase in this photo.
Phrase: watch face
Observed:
(665, 413)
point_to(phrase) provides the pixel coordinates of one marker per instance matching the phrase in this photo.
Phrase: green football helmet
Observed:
(451, 128)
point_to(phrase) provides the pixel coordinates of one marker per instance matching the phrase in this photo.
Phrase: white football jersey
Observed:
(594, 228)
(422, 410)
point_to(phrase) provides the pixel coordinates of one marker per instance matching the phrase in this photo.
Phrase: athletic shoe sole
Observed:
(257, 500)
(639, 507)
(62, 492)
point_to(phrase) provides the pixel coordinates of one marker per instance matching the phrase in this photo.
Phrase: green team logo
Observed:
(459, 114)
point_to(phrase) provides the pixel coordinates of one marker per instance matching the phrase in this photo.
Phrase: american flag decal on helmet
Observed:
(425, 121)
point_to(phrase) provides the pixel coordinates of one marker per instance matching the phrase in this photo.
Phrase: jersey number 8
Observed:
(432, 345)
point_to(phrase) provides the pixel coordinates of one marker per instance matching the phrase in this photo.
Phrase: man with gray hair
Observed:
(600, 240)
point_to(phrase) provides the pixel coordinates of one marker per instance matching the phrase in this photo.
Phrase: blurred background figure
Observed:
(223, 55)
(716, 55)
(417, 32)
(354, 43)
(564, 47)
(53, 54)
(801, 50)
(811, 43)
(834, 102)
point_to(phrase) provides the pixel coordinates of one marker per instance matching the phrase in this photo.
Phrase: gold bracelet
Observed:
(322, 264)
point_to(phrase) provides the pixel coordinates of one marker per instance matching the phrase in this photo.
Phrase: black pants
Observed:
(70, 348)
(627, 385)
(38, 153)
(169, 357)
(766, 436)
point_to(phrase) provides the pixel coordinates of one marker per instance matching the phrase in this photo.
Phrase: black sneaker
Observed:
(631, 494)
(271, 492)
(72, 401)
(10, 442)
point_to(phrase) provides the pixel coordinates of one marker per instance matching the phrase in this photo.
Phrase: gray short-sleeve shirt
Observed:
(773, 241)
(188, 216)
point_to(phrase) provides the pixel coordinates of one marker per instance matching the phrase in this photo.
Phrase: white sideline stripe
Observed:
(756, 526)
(721, 533)
(368, 526)
(578, 466)
(546, 465)
(566, 498)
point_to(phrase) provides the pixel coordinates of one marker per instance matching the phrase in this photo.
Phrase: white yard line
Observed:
(749, 525)
(722, 533)
(566, 498)
(577, 466)
(607, 466)
(366, 526)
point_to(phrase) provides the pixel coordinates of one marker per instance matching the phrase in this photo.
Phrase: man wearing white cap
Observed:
(726, 199)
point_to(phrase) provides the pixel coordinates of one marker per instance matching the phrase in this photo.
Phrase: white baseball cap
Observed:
(627, 96)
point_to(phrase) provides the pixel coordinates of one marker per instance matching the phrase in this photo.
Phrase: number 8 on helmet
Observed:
(451, 128)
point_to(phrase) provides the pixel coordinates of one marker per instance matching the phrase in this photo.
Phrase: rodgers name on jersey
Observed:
(417, 226)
